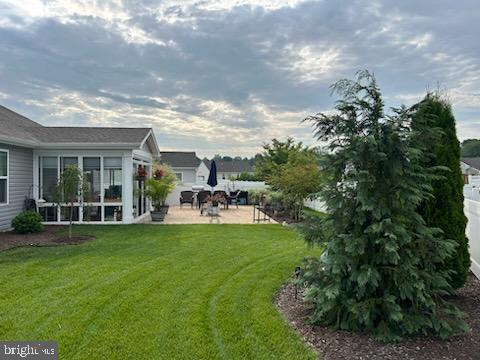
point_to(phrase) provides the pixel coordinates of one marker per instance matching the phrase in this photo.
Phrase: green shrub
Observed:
(382, 270)
(444, 209)
(27, 222)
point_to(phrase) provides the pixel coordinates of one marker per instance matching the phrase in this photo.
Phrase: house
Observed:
(231, 169)
(185, 165)
(470, 168)
(32, 157)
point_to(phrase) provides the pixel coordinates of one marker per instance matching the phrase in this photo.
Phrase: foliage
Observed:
(471, 148)
(296, 181)
(158, 187)
(179, 283)
(276, 154)
(291, 169)
(70, 189)
(445, 209)
(379, 273)
(256, 196)
(27, 222)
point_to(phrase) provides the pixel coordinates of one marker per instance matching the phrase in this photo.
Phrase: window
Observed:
(3, 177)
(201, 178)
(48, 176)
(66, 212)
(92, 213)
(91, 175)
(48, 213)
(113, 213)
(179, 176)
(68, 161)
(112, 179)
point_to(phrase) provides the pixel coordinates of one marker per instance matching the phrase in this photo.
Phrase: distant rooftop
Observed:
(473, 162)
(187, 159)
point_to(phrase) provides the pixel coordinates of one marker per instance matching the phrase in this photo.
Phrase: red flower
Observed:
(159, 173)
(141, 172)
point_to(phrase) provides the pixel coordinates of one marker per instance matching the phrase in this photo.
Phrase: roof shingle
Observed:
(180, 158)
(16, 126)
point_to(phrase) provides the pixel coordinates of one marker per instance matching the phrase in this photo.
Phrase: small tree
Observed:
(379, 272)
(70, 189)
(471, 148)
(445, 209)
(276, 154)
(296, 182)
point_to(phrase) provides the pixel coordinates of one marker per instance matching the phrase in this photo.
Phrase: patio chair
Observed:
(223, 194)
(187, 197)
(243, 197)
(202, 197)
(233, 197)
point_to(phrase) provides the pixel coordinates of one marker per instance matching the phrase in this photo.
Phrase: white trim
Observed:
(82, 146)
(7, 178)
(155, 143)
(18, 142)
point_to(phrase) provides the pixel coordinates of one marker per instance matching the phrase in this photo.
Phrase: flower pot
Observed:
(213, 210)
(159, 216)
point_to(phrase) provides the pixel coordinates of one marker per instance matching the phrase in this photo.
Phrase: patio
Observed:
(187, 215)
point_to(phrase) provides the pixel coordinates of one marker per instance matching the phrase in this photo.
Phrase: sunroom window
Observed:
(112, 179)
(48, 177)
(3, 177)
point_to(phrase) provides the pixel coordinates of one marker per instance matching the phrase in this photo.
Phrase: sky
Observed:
(223, 77)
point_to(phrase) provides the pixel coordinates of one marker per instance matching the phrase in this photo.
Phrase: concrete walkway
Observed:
(187, 215)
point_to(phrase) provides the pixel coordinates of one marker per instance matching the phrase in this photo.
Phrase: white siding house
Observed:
(184, 164)
(109, 159)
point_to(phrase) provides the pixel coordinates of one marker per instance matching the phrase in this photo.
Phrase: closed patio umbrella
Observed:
(212, 177)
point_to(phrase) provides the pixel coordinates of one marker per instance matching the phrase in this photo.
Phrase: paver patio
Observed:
(187, 215)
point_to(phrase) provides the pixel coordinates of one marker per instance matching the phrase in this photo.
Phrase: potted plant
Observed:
(141, 173)
(213, 203)
(157, 189)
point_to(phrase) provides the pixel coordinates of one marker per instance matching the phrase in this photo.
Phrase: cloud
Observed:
(225, 76)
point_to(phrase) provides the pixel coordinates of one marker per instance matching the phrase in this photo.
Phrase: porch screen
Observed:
(112, 179)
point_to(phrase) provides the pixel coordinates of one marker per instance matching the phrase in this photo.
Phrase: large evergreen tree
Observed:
(378, 272)
(445, 209)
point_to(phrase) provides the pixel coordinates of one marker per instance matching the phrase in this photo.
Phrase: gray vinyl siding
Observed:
(20, 182)
(189, 175)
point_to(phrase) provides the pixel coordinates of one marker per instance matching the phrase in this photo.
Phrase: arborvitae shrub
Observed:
(380, 271)
(445, 209)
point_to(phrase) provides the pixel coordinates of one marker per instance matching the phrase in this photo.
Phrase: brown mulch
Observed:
(49, 237)
(335, 345)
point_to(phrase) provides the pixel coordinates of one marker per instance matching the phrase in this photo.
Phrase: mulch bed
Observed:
(49, 237)
(334, 345)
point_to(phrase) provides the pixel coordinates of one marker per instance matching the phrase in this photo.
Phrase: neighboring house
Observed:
(184, 165)
(202, 172)
(32, 157)
(470, 167)
(231, 169)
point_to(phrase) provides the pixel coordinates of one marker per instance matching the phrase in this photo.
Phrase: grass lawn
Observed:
(155, 292)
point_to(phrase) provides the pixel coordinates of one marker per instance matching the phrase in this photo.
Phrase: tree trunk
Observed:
(71, 222)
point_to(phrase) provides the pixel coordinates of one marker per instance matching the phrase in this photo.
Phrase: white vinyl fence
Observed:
(472, 211)
(225, 185)
(316, 204)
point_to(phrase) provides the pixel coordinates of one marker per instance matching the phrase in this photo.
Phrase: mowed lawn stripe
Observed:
(155, 292)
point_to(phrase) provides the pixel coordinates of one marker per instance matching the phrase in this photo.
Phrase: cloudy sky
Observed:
(224, 76)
